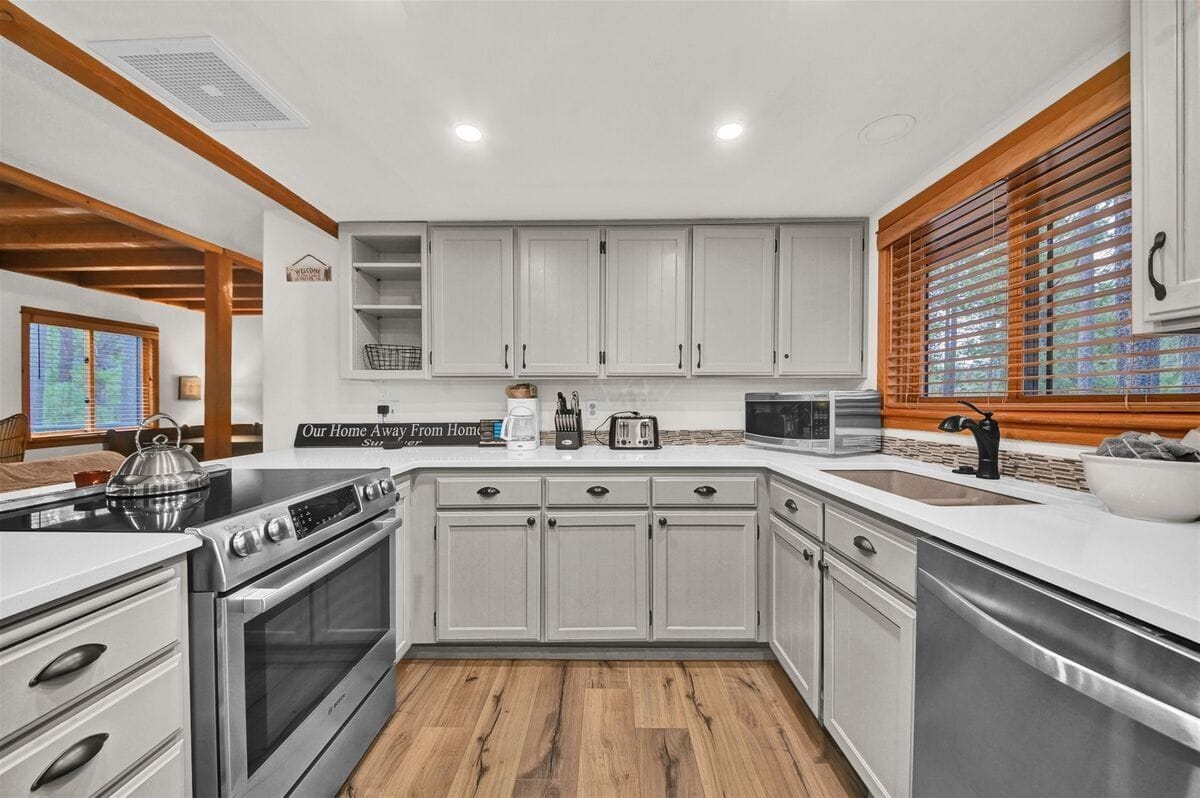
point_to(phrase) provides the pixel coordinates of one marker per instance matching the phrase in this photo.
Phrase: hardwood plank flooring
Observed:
(559, 728)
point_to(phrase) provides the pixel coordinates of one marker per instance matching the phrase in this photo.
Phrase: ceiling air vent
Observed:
(202, 80)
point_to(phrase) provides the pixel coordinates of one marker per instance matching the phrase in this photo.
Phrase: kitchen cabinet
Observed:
(558, 302)
(488, 575)
(646, 301)
(705, 575)
(795, 631)
(471, 287)
(404, 571)
(869, 640)
(821, 300)
(733, 300)
(1165, 105)
(597, 575)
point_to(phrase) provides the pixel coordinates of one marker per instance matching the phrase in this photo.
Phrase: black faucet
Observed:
(987, 441)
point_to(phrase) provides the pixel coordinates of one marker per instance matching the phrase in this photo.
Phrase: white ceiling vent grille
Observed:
(202, 80)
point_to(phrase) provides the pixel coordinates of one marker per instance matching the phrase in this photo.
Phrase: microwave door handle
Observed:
(256, 601)
(1137, 706)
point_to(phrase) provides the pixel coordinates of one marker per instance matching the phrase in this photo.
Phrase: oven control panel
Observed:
(820, 421)
(313, 515)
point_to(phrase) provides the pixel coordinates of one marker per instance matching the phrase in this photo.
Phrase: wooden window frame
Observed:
(149, 337)
(1057, 419)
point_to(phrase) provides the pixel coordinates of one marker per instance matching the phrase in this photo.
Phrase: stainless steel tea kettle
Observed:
(157, 469)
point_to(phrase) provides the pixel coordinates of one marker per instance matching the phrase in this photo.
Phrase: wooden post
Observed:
(218, 355)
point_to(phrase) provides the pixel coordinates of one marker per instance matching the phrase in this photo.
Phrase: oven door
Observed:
(781, 422)
(298, 651)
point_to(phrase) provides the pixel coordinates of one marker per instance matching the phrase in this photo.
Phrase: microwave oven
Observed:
(819, 422)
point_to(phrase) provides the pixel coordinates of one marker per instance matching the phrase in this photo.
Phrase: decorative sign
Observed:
(387, 436)
(189, 388)
(309, 269)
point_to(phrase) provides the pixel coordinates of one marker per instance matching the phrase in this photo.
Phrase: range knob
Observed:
(279, 528)
(372, 491)
(387, 486)
(245, 542)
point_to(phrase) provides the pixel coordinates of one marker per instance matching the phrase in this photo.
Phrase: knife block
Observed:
(570, 439)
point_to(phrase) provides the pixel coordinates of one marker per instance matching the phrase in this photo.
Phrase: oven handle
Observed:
(256, 601)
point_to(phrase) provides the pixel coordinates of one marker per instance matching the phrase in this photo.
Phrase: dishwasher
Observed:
(1023, 691)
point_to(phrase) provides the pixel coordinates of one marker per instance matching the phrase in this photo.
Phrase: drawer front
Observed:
(163, 775)
(883, 553)
(597, 491)
(489, 492)
(793, 506)
(69, 661)
(125, 725)
(705, 491)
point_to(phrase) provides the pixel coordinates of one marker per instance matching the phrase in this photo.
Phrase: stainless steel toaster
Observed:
(633, 431)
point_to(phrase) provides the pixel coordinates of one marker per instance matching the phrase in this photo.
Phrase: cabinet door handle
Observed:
(1160, 290)
(822, 566)
(487, 491)
(791, 505)
(530, 521)
(71, 760)
(662, 521)
(864, 545)
(552, 522)
(699, 359)
(705, 490)
(598, 490)
(506, 356)
(681, 356)
(523, 364)
(808, 555)
(75, 659)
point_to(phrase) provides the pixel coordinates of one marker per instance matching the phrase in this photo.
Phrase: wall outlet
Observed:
(393, 409)
(591, 409)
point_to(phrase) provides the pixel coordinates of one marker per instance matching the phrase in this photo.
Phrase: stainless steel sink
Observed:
(924, 489)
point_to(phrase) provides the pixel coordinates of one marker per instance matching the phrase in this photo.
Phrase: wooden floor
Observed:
(599, 728)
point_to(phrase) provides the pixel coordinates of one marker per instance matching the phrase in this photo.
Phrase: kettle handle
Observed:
(504, 428)
(137, 436)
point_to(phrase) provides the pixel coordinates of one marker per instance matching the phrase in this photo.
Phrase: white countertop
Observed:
(40, 568)
(1147, 570)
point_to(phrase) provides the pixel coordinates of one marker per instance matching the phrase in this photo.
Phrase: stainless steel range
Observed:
(292, 617)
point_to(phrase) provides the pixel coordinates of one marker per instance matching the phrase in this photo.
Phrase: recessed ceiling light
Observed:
(729, 131)
(468, 133)
(887, 129)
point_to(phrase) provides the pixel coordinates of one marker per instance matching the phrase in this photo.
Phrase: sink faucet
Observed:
(987, 441)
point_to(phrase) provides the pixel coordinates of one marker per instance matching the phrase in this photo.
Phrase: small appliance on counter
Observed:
(632, 430)
(521, 428)
(568, 423)
(820, 422)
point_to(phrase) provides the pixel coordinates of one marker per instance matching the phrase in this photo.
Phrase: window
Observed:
(1020, 296)
(83, 376)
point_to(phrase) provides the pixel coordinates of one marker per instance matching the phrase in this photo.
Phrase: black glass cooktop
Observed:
(230, 492)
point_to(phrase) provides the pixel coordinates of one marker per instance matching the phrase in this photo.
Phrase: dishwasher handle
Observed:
(1133, 704)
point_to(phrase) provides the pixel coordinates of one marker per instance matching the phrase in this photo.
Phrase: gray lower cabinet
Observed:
(471, 279)
(821, 299)
(869, 640)
(795, 632)
(733, 300)
(489, 575)
(705, 570)
(597, 576)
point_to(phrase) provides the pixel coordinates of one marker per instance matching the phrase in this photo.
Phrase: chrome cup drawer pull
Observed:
(71, 760)
(75, 659)
(864, 545)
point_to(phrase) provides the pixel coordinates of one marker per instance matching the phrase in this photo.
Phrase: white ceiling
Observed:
(607, 109)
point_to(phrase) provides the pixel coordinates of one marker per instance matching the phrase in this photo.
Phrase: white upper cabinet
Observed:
(471, 276)
(646, 301)
(558, 301)
(733, 300)
(1165, 39)
(821, 299)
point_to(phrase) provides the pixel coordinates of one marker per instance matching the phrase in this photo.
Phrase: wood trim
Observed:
(1086, 429)
(68, 439)
(61, 319)
(40, 262)
(43, 43)
(1097, 98)
(218, 355)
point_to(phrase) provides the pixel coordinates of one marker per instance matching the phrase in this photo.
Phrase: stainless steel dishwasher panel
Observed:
(1025, 692)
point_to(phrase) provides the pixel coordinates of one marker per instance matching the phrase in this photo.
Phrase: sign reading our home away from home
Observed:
(378, 434)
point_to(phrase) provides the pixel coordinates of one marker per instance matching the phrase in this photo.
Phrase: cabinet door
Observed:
(597, 576)
(796, 610)
(646, 300)
(1166, 43)
(733, 300)
(403, 569)
(821, 299)
(489, 576)
(558, 301)
(868, 678)
(471, 273)
(704, 576)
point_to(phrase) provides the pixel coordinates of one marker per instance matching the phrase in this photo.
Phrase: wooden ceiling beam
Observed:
(189, 293)
(159, 278)
(102, 235)
(99, 260)
(43, 43)
(20, 205)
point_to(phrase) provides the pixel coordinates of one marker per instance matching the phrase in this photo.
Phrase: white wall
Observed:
(180, 350)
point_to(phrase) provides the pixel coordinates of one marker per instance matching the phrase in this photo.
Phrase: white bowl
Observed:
(1152, 490)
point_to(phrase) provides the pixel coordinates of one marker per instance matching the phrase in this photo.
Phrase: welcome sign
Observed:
(381, 435)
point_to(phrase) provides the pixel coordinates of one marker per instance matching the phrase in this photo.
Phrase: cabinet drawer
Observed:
(165, 774)
(883, 553)
(487, 492)
(85, 653)
(597, 491)
(124, 725)
(795, 507)
(705, 491)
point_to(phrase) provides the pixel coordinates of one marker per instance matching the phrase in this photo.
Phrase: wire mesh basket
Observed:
(392, 357)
